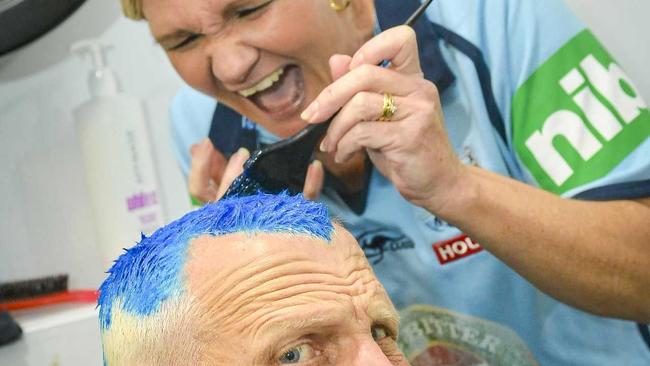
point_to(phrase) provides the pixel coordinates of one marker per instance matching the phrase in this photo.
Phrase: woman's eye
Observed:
(379, 332)
(243, 13)
(185, 42)
(302, 353)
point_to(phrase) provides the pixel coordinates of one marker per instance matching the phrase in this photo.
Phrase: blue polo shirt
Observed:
(528, 92)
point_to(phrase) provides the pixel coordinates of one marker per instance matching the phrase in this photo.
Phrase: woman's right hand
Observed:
(211, 174)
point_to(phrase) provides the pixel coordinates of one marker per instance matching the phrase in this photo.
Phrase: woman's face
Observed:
(267, 59)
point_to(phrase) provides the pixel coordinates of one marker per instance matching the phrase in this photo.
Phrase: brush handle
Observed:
(78, 296)
(415, 16)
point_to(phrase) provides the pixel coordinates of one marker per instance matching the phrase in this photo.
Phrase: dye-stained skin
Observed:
(275, 299)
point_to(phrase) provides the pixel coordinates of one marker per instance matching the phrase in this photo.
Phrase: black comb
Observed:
(283, 165)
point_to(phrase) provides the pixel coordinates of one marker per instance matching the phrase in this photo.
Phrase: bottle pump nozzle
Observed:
(102, 80)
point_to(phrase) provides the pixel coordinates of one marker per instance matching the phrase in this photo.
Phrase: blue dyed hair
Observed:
(150, 272)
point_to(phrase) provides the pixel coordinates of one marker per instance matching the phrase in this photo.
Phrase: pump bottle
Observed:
(118, 161)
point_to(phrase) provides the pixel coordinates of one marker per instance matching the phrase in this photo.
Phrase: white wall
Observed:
(623, 26)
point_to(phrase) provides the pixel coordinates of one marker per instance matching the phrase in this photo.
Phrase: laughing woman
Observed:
(500, 122)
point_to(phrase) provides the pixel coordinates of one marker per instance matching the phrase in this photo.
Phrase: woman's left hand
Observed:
(412, 150)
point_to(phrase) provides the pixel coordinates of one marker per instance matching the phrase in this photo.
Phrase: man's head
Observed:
(261, 280)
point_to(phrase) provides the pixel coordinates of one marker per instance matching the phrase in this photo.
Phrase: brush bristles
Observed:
(19, 290)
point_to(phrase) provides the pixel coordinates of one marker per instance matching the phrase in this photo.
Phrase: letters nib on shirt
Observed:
(577, 117)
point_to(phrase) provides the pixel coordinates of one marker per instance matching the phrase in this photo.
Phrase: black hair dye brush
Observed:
(283, 165)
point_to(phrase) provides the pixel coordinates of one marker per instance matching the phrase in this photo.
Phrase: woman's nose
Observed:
(368, 353)
(232, 61)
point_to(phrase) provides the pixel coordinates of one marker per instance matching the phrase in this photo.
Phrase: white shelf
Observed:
(34, 321)
(62, 335)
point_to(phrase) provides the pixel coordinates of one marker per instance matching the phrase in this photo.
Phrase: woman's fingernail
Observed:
(203, 145)
(323, 146)
(243, 152)
(309, 113)
(317, 163)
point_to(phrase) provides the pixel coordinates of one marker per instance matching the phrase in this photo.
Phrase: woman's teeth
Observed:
(264, 84)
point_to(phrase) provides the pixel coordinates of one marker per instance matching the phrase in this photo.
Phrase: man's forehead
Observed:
(241, 264)
(242, 245)
(265, 296)
(258, 244)
(214, 256)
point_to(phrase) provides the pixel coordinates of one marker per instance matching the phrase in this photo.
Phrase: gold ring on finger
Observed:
(389, 108)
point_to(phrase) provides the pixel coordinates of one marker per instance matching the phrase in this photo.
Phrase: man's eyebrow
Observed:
(308, 322)
(281, 331)
(379, 312)
(384, 314)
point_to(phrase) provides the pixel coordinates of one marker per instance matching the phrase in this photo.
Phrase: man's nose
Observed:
(370, 354)
(232, 60)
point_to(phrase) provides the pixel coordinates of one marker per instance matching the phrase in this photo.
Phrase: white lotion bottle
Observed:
(118, 160)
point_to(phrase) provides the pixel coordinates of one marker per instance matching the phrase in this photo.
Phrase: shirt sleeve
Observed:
(577, 125)
(191, 116)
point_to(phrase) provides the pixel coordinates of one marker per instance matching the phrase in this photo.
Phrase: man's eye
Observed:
(302, 353)
(379, 332)
(246, 12)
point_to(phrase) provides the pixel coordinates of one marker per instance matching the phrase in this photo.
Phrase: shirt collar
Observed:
(391, 13)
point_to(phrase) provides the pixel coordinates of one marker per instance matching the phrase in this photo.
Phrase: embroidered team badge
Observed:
(431, 336)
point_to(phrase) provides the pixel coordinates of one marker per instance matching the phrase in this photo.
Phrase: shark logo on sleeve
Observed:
(376, 243)
(577, 117)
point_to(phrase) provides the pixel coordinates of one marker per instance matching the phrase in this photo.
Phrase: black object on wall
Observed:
(23, 21)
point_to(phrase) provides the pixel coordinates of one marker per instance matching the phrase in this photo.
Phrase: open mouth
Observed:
(280, 94)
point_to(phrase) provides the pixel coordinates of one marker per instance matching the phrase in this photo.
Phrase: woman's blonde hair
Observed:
(133, 9)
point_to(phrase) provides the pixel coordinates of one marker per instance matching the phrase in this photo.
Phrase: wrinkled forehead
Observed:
(263, 288)
(244, 267)
(234, 257)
